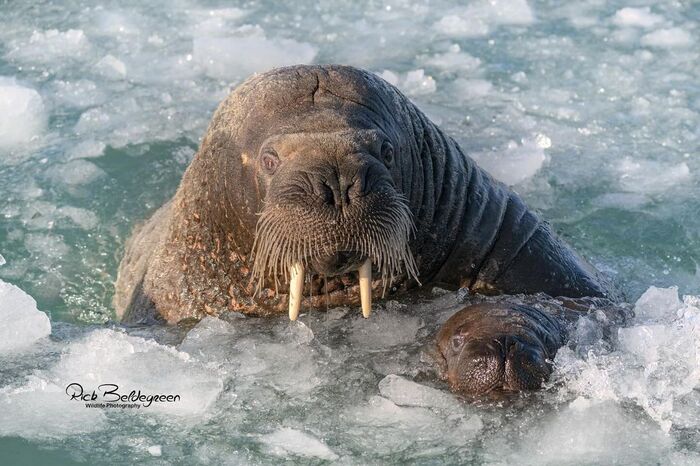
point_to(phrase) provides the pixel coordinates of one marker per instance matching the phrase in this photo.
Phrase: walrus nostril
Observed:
(326, 193)
(341, 191)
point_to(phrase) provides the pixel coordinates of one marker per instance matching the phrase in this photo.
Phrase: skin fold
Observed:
(328, 166)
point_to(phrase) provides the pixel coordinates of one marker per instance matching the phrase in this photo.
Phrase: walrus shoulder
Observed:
(131, 302)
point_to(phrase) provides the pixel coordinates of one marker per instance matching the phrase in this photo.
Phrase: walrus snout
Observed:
(498, 348)
(331, 207)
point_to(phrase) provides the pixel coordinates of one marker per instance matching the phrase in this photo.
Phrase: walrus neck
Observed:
(463, 216)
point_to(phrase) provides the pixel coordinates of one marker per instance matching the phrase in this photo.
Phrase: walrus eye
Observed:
(270, 161)
(457, 342)
(388, 153)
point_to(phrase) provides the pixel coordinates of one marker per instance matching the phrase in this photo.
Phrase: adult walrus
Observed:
(309, 174)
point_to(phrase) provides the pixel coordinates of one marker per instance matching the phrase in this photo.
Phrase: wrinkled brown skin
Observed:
(192, 258)
(495, 348)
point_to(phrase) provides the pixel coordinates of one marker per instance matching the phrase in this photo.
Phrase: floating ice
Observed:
(476, 19)
(454, 60)
(404, 392)
(384, 330)
(285, 361)
(21, 323)
(50, 46)
(2, 260)
(642, 17)
(285, 441)
(668, 38)
(40, 409)
(155, 450)
(236, 57)
(111, 67)
(78, 93)
(657, 304)
(584, 432)
(87, 149)
(77, 172)
(648, 176)
(389, 428)
(657, 363)
(517, 162)
(468, 89)
(412, 83)
(107, 356)
(461, 26)
(22, 114)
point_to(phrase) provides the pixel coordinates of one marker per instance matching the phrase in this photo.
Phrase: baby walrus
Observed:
(494, 348)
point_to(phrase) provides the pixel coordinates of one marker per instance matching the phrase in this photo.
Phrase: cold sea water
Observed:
(589, 109)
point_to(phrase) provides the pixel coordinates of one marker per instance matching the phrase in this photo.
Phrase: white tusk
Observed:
(296, 287)
(366, 287)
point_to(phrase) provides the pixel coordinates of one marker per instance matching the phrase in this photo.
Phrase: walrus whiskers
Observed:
(280, 249)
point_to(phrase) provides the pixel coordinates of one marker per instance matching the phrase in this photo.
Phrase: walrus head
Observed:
(493, 348)
(331, 207)
(314, 162)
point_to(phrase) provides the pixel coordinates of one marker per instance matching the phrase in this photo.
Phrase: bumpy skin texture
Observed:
(193, 257)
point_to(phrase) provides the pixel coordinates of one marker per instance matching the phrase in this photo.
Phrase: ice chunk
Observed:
(413, 83)
(2, 260)
(657, 304)
(77, 93)
(668, 38)
(454, 60)
(388, 428)
(461, 26)
(22, 114)
(155, 450)
(476, 19)
(517, 162)
(50, 46)
(40, 409)
(384, 330)
(133, 363)
(77, 172)
(467, 89)
(21, 323)
(641, 17)
(115, 23)
(626, 201)
(87, 149)
(93, 120)
(285, 361)
(649, 176)
(588, 433)
(84, 218)
(404, 392)
(655, 364)
(247, 52)
(111, 67)
(285, 441)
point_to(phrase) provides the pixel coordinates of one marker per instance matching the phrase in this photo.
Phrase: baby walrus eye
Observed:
(457, 342)
(269, 160)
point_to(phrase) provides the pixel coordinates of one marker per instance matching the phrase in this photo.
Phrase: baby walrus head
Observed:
(493, 348)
